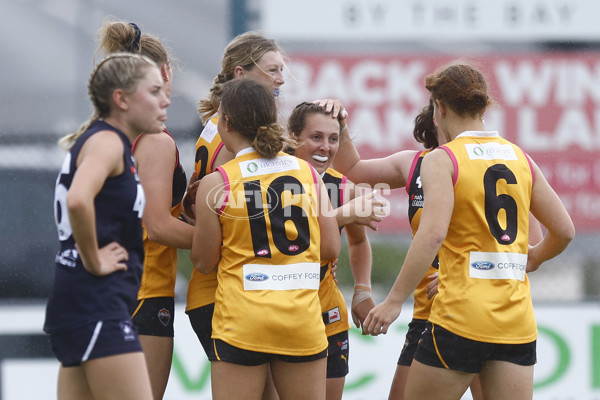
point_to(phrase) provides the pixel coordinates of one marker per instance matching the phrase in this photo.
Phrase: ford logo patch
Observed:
(257, 277)
(483, 265)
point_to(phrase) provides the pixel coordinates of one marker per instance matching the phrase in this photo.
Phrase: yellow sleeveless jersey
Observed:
(267, 298)
(160, 261)
(160, 267)
(202, 287)
(422, 305)
(333, 305)
(484, 292)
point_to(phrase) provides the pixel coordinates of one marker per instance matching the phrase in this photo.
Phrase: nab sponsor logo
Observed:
(257, 277)
(483, 265)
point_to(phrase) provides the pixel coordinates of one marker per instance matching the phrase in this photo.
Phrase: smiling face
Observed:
(319, 141)
(268, 71)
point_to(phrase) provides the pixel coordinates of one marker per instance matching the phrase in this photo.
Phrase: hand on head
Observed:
(334, 107)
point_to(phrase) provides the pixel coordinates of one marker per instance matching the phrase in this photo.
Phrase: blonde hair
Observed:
(244, 50)
(116, 71)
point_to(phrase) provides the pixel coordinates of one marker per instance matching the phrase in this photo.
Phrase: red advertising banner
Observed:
(547, 103)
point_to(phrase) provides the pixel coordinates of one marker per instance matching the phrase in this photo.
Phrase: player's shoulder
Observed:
(105, 142)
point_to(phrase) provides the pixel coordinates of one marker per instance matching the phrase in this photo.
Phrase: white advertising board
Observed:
(568, 358)
(438, 20)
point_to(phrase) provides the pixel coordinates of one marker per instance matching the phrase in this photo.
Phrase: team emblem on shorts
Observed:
(331, 316)
(164, 316)
(128, 331)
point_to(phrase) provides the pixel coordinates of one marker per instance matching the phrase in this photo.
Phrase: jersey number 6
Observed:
(495, 202)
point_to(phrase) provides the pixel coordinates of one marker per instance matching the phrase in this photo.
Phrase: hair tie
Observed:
(135, 46)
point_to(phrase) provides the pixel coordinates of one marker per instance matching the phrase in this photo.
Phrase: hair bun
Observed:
(269, 140)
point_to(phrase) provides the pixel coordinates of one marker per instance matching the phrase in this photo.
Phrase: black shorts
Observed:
(337, 355)
(155, 316)
(201, 321)
(95, 340)
(235, 355)
(416, 327)
(443, 349)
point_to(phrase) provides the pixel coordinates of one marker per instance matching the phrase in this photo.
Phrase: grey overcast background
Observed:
(47, 49)
(48, 46)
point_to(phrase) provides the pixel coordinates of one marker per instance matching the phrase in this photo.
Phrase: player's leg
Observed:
(399, 383)
(416, 327)
(508, 373)
(237, 373)
(159, 356)
(476, 391)
(72, 384)
(501, 380)
(270, 393)
(122, 376)
(300, 380)
(449, 384)
(234, 381)
(335, 388)
(449, 360)
(101, 360)
(154, 319)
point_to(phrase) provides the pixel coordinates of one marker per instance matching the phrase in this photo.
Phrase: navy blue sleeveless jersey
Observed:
(78, 297)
